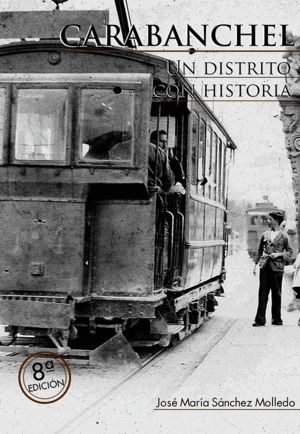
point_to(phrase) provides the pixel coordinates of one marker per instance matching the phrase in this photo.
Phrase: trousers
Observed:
(269, 280)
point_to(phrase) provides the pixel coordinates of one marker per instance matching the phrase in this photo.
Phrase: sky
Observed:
(261, 164)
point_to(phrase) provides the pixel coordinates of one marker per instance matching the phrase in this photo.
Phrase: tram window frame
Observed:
(137, 89)
(217, 178)
(202, 156)
(263, 221)
(224, 178)
(254, 220)
(208, 159)
(220, 171)
(68, 123)
(6, 123)
(213, 167)
(195, 148)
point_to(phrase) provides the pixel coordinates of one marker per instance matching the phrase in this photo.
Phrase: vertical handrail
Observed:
(181, 217)
(171, 239)
(168, 129)
(159, 241)
(157, 140)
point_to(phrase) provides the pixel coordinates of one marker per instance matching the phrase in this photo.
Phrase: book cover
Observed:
(242, 60)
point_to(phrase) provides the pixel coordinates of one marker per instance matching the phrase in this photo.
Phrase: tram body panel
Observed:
(123, 249)
(207, 211)
(35, 59)
(194, 266)
(194, 251)
(204, 259)
(41, 252)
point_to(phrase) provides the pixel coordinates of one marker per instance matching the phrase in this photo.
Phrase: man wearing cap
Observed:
(274, 249)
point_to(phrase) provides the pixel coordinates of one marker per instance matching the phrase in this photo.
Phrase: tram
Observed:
(84, 242)
(257, 224)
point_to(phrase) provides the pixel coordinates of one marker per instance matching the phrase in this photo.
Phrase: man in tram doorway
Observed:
(164, 178)
(175, 164)
(274, 249)
(169, 175)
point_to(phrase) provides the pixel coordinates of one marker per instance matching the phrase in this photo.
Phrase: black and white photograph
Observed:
(149, 216)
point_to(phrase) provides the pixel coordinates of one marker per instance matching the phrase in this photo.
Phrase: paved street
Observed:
(209, 376)
(227, 360)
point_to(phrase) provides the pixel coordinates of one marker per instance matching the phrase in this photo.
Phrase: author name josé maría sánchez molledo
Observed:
(221, 35)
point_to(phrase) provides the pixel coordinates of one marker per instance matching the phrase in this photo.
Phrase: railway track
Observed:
(26, 345)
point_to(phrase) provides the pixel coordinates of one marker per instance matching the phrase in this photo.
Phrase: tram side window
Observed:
(201, 157)
(219, 171)
(213, 169)
(41, 116)
(2, 102)
(195, 143)
(107, 124)
(208, 160)
(223, 173)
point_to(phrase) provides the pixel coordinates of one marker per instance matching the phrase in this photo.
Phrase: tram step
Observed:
(175, 328)
(145, 343)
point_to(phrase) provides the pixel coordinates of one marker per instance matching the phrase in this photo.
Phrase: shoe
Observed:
(277, 323)
(256, 324)
(299, 322)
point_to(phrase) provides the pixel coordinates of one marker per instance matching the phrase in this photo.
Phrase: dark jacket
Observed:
(280, 244)
(165, 177)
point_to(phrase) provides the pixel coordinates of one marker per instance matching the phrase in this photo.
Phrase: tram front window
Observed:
(264, 220)
(106, 120)
(41, 125)
(2, 99)
(254, 221)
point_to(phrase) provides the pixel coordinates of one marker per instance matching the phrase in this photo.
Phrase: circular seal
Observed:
(44, 377)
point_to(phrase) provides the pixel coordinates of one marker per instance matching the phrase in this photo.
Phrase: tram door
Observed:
(170, 122)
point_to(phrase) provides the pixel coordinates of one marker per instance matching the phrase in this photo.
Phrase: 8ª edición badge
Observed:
(44, 377)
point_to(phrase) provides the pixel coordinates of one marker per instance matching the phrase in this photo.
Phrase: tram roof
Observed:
(133, 54)
(263, 209)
